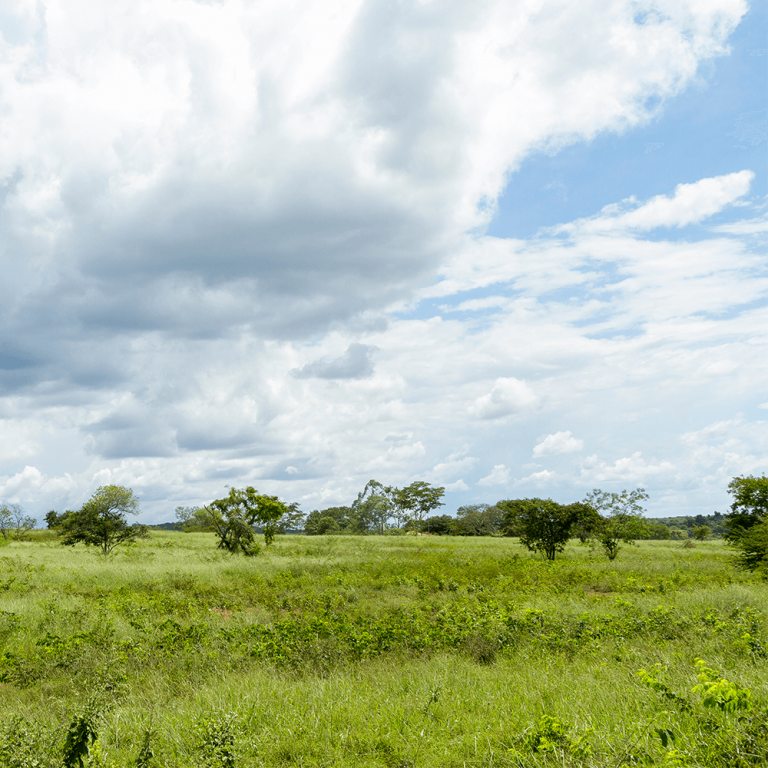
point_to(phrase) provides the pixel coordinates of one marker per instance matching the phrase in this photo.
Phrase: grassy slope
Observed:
(380, 651)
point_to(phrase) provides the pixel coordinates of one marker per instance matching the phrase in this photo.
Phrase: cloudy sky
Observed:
(511, 247)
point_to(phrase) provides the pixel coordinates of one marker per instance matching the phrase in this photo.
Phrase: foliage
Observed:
(551, 736)
(478, 520)
(747, 523)
(81, 735)
(701, 532)
(101, 521)
(54, 519)
(686, 523)
(732, 733)
(333, 520)
(234, 517)
(13, 519)
(372, 508)
(293, 519)
(718, 692)
(753, 546)
(622, 517)
(216, 736)
(545, 526)
(194, 519)
(417, 499)
(750, 505)
(378, 651)
(146, 753)
(438, 525)
(587, 521)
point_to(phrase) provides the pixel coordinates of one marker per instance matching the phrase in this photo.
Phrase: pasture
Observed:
(389, 651)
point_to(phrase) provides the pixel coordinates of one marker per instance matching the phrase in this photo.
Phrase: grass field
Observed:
(380, 651)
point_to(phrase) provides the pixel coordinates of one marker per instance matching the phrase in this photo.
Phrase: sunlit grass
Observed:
(380, 651)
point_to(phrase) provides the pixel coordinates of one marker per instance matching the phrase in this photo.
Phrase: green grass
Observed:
(378, 651)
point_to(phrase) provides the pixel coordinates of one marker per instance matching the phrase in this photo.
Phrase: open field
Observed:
(380, 651)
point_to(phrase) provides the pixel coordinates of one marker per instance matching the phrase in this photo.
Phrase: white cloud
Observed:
(199, 199)
(452, 466)
(540, 479)
(690, 204)
(498, 476)
(508, 396)
(559, 442)
(632, 469)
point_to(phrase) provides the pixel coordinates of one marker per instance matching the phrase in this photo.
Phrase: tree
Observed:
(753, 544)
(234, 517)
(543, 525)
(622, 517)
(478, 520)
(750, 505)
(12, 518)
(102, 522)
(373, 507)
(588, 521)
(194, 519)
(416, 500)
(54, 519)
(439, 525)
(701, 532)
(6, 519)
(292, 519)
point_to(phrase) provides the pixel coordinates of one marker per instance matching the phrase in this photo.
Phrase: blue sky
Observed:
(511, 248)
(690, 138)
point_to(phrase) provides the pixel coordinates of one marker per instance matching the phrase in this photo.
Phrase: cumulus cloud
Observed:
(195, 198)
(508, 396)
(355, 363)
(499, 475)
(559, 442)
(454, 465)
(630, 469)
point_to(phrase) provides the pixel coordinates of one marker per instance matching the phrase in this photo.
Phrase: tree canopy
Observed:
(101, 522)
(542, 524)
(234, 518)
(750, 505)
(14, 520)
(621, 517)
(747, 523)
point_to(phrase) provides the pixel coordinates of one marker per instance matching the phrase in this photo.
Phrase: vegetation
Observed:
(379, 651)
(101, 521)
(621, 517)
(234, 517)
(386, 651)
(747, 522)
(14, 522)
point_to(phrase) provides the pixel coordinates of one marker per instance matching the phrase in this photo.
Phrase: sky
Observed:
(513, 248)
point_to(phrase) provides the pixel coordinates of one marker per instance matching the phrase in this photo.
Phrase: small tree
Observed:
(234, 517)
(193, 519)
(753, 544)
(101, 521)
(701, 532)
(13, 519)
(622, 517)
(544, 525)
(750, 505)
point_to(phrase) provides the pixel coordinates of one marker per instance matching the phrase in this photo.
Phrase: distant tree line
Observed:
(542, 525)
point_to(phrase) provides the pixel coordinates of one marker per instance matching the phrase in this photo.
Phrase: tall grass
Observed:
(373, 651)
